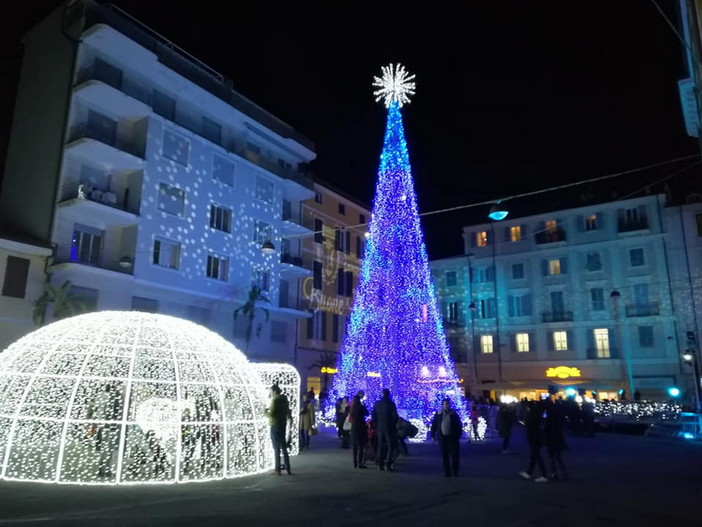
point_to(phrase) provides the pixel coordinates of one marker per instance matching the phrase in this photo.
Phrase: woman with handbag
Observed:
(307, 422)
(359, 432)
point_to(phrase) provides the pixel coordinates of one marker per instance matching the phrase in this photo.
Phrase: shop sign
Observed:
(563, 372)
(326, 369)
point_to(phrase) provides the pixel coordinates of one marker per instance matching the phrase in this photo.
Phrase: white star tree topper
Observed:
(396, 85)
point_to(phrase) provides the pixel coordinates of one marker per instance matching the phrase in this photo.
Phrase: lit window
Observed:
(591, 222)
(554, 267)
(481, 238)
(217, 268)
(486, 344)
(551, 226)
(602, 343)
(166, 253)
(522, 342)
(515, 233)
(221, 218)
(560, 340)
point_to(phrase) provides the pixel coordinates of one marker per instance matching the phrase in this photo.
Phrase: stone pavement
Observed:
(616, 480)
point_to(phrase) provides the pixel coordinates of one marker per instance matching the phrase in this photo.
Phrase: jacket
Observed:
(385, 415)
(279, 411)
(456, 426)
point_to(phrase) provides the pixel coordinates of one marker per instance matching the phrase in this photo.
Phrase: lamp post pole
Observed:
(691, 357)
(615, 296)
(471, 309)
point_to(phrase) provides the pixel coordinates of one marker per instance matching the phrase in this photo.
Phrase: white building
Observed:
(23, 275)
(154, 180)
(576, 298)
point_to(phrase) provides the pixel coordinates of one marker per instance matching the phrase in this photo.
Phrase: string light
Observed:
(128, 397)
(395, 86)
(395, 331)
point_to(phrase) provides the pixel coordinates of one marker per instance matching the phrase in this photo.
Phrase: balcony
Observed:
(602, 353)
(91, 144)
(556, 316)
(643, 310)
(126, 99)
(632, 225)
(84, 204)
(290, 264)
(553, 236)
(292, 220)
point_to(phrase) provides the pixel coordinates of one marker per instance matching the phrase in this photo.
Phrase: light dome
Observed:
(127, 397)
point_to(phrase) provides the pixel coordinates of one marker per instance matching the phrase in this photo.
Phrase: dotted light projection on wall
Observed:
(288, 379)
(129, 397)
(395, 338)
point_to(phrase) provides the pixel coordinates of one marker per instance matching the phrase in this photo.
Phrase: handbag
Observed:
(313, 431)
(347, 424)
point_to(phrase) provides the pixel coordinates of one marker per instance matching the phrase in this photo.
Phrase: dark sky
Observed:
(511, 96)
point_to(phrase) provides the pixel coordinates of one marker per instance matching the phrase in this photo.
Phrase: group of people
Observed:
(543, 425)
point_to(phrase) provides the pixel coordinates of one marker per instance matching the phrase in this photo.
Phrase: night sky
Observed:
(511, 96)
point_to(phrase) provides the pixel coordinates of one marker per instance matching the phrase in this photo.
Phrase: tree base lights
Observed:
(130, 397)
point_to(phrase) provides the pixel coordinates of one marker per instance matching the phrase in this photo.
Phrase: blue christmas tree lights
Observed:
(395, 337)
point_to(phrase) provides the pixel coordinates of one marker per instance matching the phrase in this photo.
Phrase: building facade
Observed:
(333, 255)
(579, 298)
(154, 181)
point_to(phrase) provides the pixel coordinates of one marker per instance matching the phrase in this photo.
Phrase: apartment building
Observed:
(333, 255)
(154, 181)
(578, 298)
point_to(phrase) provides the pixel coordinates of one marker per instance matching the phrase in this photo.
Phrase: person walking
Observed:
(359, 433)
(553, 433)
(534, 436)
(506, 418)
(385, 418)
(278, 413)
(307, 422)
(342, 412)
(446, 427)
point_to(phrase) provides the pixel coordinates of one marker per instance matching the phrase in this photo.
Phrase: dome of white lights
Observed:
(129, 397)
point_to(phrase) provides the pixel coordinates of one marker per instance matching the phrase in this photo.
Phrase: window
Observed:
(147, 305)
(342, 209)
(636, 258)
(452, 311)
(221, 219)
(317, 325)
(317, 275)
(557, 302)
(264, 190)
(646, 336)
(107, 73)
(554, 267)
(362, 219)
(519, 305)
(481, 238)
(591, 222)
(487, 308)
(262, 231)
(522, 342)
(515, 233)
(101, 127)
(279, 331)
(335, 328)
(348, 279)
(359, 247)
(176, 147)
(560, 340)
(451, 279)
(197, 314)
(171, 199)
(211, 130)
(86, 245)
(253, 147)
(223, 170)
(486, 344)
(318, 197)
(16, 271)
(166, 253)
(163, 105)
(551, 226)
(262, 279)
(86, 295)
(217, 267)
(601, 337)
(486, 274)
(597, 298)
(518, 271)
(342, 240)
(642, 295)
(318, 230)
(594, 262)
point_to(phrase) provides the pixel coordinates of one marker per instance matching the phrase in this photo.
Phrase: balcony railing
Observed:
(558, 235)
(82, 191)
(292, 260)
(632, 225)
(557, 316)
(602, 353)
(85, 130)
(643, 310)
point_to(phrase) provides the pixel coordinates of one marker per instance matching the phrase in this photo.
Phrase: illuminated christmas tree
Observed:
(395, 338)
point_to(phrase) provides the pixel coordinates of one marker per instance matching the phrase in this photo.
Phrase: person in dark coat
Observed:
(534, 435)
(278, 414)
(446, 427)
(342, 412)
(553, 433)
(385, 418)
(506, 418)
(359, 432)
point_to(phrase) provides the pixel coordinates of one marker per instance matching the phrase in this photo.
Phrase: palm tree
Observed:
(249, 311)
(324, 363)
(66, 304)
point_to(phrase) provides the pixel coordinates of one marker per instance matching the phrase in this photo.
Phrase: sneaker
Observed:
(525, 475)
(541, 479)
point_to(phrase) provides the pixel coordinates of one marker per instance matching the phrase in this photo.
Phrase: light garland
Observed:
(638, 410)
(395, 338)
(129, 397)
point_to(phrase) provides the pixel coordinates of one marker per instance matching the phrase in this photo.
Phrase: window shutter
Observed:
(337, 239)
(340, 283)
(348, 242)
(600, 220)
(549, 338)
(564, 265)
(508, 236)
(571, 344)
(579, 223)
(510, 306)
(349, 283)
(323, 323)
(524, 230)
(473, 239)
(310, 326)
(513, 342)
(544, 267)
(16, 272)
(642, 212)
